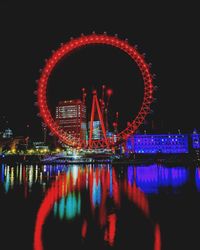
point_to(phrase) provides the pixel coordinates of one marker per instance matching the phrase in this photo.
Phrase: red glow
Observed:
(114, 124)
(67, 48)
(110, 232)
(25, 182)
(109, 92)
(84, 229)
(138, 197)
(157, 238)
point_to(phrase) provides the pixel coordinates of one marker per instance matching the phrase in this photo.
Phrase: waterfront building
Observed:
(157, 143)
(97, 132)
(7, 134)
(195, 139)
(40, 145)
(71, 117)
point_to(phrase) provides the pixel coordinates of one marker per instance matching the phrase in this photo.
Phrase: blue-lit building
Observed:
(195, 140)
(158, 143)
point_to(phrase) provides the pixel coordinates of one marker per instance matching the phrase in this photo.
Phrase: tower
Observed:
(96, 110)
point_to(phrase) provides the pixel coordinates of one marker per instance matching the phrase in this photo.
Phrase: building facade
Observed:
(195, 140)
(158, 143)
(97, 132)
(71, 117)
(7, 134)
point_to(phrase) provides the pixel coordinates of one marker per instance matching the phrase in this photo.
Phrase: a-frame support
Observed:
(95, 105)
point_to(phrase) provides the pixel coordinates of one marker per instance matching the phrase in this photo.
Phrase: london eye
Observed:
(104, 142)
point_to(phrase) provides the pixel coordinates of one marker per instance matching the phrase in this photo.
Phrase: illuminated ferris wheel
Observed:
(105, 142)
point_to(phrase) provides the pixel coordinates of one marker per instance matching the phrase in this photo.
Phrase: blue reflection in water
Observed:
(2, 173)
(197, 178)
(73, 206)
(79, 204)
(55, 208)
(62, 207)
(130, 175)
(7, 180)
(151, 178)
(96, 193)
(68, 207)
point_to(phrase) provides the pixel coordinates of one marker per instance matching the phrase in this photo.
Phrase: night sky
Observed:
(167, 34)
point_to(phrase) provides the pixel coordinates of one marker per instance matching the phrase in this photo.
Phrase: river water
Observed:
(99, 207)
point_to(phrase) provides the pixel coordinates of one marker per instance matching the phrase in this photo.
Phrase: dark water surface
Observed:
(99, 207)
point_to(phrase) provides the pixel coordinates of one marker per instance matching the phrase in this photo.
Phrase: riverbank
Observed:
(137, 160)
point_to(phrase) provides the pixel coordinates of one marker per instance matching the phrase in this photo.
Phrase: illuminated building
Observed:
(40, 145)
(71, 117)
(7, 134)
(157, 143)
(96, 133)
(195, 140)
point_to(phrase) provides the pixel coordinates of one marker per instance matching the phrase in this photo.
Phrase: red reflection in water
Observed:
(116, 193)
(25, 182)
(109, 235)
(157, 238)
(54, 193)
(137, 196)
(84, 229)
(102, 185)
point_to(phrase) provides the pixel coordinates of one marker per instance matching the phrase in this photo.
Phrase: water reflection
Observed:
(102, 184)
(153, 177)
(94, 194)
(68, 207)
(12, 176)
(197, 178)
(148, 178)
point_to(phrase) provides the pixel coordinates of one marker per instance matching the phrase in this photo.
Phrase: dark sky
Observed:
(168, 34)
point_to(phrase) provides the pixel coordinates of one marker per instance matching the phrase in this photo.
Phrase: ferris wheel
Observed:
(105, 142)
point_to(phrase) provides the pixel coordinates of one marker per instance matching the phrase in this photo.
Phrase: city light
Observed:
(98, 151)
